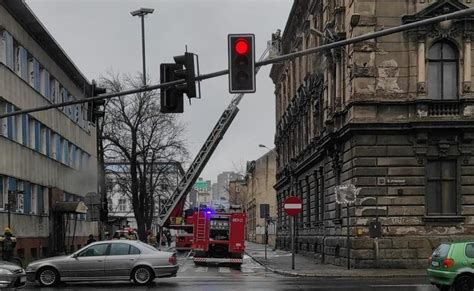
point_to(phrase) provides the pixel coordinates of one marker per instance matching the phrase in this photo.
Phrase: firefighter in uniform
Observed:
(8, 242)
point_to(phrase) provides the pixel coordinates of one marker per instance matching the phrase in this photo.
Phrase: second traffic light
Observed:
(241, 63)
(171, 98)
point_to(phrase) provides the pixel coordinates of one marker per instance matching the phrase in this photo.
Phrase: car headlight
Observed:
(5, 272)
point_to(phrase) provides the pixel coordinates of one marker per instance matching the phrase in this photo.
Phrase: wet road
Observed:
(251, 276)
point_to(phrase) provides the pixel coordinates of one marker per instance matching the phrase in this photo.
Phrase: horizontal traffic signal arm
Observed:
(326, 47)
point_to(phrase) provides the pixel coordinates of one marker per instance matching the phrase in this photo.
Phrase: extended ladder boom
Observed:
(175, 203)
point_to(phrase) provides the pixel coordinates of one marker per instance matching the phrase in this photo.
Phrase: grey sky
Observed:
(102, 36)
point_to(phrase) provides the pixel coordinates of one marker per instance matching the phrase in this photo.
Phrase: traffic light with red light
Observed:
(241, 63)
(171, 98)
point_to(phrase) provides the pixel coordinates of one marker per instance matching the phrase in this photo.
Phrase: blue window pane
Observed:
(23, 64)
(36, 75)
(27, 197)
(47, 85)
(48, 140)
(11, 184)
(10, 123)
(40, 199)
(10, 56)
(66, 152)
(24, 129)
(37, 136)
(58, 148)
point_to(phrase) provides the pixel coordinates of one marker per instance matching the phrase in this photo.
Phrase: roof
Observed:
(28, 20)
(70, 207)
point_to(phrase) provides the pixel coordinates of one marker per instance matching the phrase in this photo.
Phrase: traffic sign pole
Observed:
(293, 207)
(292, 219)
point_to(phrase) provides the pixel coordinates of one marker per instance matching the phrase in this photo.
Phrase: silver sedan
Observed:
(106, 261)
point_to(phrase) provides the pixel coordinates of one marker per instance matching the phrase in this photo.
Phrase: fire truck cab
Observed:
(218, 237)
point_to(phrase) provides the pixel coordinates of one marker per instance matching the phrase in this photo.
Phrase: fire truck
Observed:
(184, 227)
(217, 237)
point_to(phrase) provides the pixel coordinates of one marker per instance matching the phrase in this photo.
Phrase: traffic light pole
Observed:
(325, 47)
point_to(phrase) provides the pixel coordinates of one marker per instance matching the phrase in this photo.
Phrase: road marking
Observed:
(183, 269)
(401, 285)
(201, 269)
(224, 270)
(247, 270)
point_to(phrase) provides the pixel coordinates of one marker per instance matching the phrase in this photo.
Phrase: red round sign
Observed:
(292, 205)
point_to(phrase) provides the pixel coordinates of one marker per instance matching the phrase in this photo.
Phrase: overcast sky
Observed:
(101, 36)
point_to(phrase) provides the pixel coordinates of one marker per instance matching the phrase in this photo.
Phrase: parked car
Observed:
(103, 261)
(451, 266)
(11, 275)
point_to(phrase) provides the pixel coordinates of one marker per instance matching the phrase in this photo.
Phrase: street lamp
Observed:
(141, 13)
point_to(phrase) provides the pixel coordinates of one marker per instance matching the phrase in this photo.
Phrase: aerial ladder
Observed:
(174, 205)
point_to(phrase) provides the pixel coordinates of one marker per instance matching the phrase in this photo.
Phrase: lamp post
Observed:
(141, 13)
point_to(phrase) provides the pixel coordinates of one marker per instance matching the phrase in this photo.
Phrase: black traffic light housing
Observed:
(186, 72)
(171, 98)
(241, 63)
(94, 106)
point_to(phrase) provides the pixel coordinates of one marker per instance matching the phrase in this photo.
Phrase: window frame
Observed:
(79, 255)
(442, 61)
(457, 180)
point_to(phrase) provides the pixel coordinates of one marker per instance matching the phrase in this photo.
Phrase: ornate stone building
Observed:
(394, 116)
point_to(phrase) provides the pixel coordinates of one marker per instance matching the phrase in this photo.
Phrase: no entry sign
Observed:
(292, 205)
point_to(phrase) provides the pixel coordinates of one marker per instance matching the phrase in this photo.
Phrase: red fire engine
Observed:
(218, 237)
(184, 236)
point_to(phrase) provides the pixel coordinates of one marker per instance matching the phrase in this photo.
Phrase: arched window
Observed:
(443, 71)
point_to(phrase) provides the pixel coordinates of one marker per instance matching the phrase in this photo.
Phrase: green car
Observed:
(452, 266)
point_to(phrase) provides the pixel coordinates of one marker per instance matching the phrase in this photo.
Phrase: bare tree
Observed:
(148, 142)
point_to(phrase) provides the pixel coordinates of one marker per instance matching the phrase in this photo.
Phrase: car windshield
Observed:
(441, 251)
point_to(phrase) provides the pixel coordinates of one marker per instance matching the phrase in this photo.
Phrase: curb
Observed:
(296, 274)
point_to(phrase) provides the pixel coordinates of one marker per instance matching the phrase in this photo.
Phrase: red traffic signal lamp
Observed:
(241, 51)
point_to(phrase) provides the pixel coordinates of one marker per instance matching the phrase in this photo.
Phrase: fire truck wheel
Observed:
(142, 275)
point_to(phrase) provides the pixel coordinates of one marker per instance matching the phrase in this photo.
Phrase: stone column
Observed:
(466, 84)
(421, 81)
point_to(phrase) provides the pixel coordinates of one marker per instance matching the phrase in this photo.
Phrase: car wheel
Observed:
(464, 283)
(142, 275)
(48, 276)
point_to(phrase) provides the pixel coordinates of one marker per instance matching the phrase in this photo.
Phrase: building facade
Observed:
(121, 214)
(222, 188)
(259, 182)
(393, 116)
(237, 192)
(47, 157)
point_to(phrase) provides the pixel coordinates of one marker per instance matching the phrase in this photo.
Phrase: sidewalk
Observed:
(280, 262)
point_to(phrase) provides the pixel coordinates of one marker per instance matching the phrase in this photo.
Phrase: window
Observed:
(119, 249)
(122, 205)
(24, 130)
(441, 191)
(40, 199)
(134, 250)
(9, 58)
(443, 71)
(37, 136)
(95, 250)
(470, 250)
(3, 189)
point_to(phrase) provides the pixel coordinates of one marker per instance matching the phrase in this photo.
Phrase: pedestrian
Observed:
(168, 238)
(91, 239)
(8, 244)
(163, 239)
(151, 239)
(116, 236)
